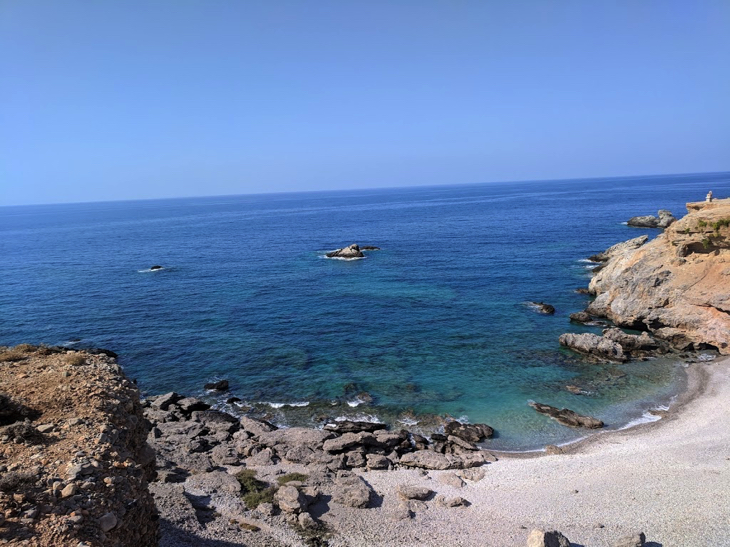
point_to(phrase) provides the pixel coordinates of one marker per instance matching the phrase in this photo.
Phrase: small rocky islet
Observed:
(84, 463)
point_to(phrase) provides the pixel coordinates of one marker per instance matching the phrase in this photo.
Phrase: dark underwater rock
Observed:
(221, 385)
(567, 417)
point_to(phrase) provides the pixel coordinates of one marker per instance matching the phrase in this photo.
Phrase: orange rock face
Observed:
(676, 286)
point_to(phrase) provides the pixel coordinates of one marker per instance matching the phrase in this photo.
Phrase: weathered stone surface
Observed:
(458, 501)
(685, 302)
(351, 490)
(620, 249)
(191, 404)
(472, 433)
(289, 499)
(635, 540)
(567, 417)
(215, 419)
(474, 474)
(410, 492)
(377, 461)
(593, 346)
(162, 402)
(538, 538)
(347, 426)
(256, 427)
(581, 317)
(107, 522)
(451, 479)
(211, 483)
(425, 459)
(664, 219)
(353, 251)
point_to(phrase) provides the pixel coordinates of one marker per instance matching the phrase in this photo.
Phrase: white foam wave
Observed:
(357, 401)
(645, 418)
(409, 422)
(148, 270)
(587, 261)
(625, 223)
(280, 405)
(343, 258)
(360, 418)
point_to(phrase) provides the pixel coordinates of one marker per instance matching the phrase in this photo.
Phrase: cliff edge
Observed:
(74, 462)
(676, 286)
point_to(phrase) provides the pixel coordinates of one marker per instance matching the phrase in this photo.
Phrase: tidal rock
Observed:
(636, 540)
(469, 432)
(542, 307)
(220, 385)
(664, 219)
(156, 267)
(369, 248)
(567, 417)
(353, 251)
(631, 343)
(581, 317)
(620, 249)
(347, 426)
(593, 346)
(538, 538)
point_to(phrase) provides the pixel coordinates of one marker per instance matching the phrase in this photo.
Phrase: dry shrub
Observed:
(75, 359)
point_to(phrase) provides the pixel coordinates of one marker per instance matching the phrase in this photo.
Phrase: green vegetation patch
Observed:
(706, 243)
(291, 477)
(253, 491)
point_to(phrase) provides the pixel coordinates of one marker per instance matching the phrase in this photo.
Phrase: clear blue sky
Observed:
(145, 99)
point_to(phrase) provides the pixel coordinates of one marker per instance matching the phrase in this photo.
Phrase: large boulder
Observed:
(664, 219)
(538, 538)
(353, 251)
(425, 459)
(593, 346)
(567, 417)
(472, 433)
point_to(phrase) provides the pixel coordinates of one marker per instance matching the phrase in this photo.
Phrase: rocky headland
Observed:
(676, 287)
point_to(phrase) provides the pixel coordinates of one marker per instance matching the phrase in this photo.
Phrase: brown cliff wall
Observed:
(74, 463)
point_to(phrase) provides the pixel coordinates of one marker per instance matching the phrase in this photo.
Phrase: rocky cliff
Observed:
(74, 462)
(676, 286)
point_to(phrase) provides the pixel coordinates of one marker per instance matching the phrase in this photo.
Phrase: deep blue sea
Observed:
(434, 324)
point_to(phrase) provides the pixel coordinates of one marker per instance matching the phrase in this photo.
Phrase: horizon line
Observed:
(360, 189)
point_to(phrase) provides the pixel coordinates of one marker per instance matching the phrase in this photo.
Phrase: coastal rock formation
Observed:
(353, 251)
(156, 267)
(542, 307)
(567, 417)
(75, 464)
(664, 219)
(593, 345)
(677, 287)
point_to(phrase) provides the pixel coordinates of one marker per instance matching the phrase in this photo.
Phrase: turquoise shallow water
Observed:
(433, 324)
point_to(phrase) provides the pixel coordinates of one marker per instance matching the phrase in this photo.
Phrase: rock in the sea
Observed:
(664, 219)
(469, 432)
(369, 248)
(538, 538)
(542, 307)
(581, 317)
(221, 385)
(347, 426)
(567, 417)
(156, 267)
(636, 540)
(353, 251)
(593, 346)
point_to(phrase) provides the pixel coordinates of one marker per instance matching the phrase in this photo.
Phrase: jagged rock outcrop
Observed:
(593, 345)
(567, 417)
(353, 251)
(542, 307)
(677, 286)
(664, 219)
(75, 462)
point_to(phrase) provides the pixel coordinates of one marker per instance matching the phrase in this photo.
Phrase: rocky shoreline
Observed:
(110, 470)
